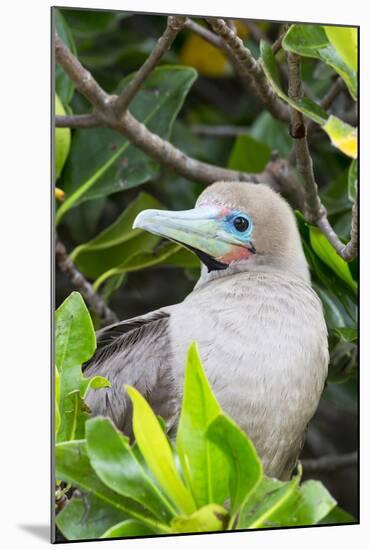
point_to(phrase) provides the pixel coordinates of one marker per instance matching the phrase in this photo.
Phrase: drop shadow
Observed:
(39, 531)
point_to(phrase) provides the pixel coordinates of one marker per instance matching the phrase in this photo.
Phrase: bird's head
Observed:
(233, 224)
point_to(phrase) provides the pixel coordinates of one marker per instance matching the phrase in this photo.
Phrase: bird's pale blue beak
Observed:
(201, 230)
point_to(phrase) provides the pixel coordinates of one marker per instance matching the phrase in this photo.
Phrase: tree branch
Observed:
(276, 174)
(314, 211)
(219, 130)
(95, 303)
(250, 70)
(174, 26)
(329, 463)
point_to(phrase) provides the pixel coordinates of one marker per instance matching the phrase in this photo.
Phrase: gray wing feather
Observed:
(137, 352)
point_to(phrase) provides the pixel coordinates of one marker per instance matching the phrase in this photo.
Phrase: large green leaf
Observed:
(116, 465)
(345, 41)
(312, 41)
(72, 465)
(102, 162)
(118, 243)
(157, 452)
(64, 87)
(211, 517)
(75, 343)
(87, 517)
(245, 469)
(279, 504)
(168, 254)
(323, 248)
(204, 465)
(248, 155)
(119, 249)
(265, 502)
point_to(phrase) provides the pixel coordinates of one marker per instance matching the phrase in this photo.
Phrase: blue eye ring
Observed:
(240, 224)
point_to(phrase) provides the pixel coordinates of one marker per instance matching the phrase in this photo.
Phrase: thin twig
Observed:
(329, 463)
(314, 211)
(95, 303)
(174, 26)
(83, 80)
(250, 69)
(206, 34)
(77, 121)
(164, 152)
(333, 92)
(219, 130)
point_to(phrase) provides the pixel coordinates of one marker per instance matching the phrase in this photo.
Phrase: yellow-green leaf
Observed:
(62, 140)
(344, 40)
(342, 135)
(157, 452)
(211, 517)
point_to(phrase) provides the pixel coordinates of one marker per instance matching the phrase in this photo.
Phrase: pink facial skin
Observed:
(236, 253)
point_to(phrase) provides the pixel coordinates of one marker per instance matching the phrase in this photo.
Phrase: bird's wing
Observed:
(137, 352)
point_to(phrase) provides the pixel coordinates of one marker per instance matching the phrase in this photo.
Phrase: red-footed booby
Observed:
(258, 323)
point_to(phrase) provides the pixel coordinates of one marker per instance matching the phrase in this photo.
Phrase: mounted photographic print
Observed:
(206, 274)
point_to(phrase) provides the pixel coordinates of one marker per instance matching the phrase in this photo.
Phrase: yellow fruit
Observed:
(205, 58)
(62, 140)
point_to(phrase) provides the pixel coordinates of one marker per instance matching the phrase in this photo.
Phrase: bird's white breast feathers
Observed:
(263, 342)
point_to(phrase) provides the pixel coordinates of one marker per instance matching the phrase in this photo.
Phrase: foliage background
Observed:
(112, 45)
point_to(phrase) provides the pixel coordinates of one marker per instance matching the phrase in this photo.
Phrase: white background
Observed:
(25, 271)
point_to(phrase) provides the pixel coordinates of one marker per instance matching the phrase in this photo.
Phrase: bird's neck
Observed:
(295, 266)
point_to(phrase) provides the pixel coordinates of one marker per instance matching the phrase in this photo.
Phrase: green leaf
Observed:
(338, 516)
(116, 465)
(62, 140)
(273, 133)
(157, 452)
(94, 383)
(87, 517)
(346, 334)
(304, 105)
(344, 40)
(128, 528)
(312, 41)
(168, 254)
(211, 517)
(265, 502)
(73, 466)
(281, 504)
(75, 343)
(64, 87)
(117, 243)
(57, 399)
(204, 466)
(87, 23)
(323, 248)
(248, 155)
(352, 181)
(244, 464)
(103, 162)
(342, 135)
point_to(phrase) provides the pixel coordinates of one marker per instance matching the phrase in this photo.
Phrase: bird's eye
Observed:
(241, 224)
